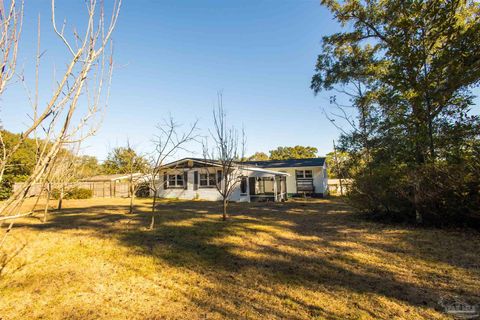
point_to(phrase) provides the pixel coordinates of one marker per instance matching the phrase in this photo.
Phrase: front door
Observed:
(251, 185)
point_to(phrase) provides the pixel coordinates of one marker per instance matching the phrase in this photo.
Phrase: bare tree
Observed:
(10, 30)
(61, 173)
(65, 172)
(75, 107)
(11, 20)
(228, 151)
(128, 161)
(170, 139)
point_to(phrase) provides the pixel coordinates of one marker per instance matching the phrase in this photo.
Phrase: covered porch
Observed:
(266, 185)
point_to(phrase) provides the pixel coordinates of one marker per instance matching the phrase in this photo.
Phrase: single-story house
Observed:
(306, 176)
(195, 178)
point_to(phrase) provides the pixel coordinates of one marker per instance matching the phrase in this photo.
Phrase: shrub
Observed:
(143, 191)
(450, 194)
(382, 192)
(6, 187)
(447, 194)
(73, 193)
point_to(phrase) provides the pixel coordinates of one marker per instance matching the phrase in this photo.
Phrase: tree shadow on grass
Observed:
(308, 246)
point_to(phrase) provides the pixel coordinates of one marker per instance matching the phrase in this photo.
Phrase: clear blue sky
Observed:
(173, 56)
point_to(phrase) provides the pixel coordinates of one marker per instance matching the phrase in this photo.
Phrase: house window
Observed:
(207, 180)
(243, 185)
(304, 174)
(179, 180)
(175, 180)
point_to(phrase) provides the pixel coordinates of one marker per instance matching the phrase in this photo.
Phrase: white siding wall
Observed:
(319, 181)
(211, 194)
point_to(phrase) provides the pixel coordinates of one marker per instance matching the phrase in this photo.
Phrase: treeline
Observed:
(282, 153)
(20, 165)
(408, 70)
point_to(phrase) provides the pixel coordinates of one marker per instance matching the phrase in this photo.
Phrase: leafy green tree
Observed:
(127, 161)
(258, 156)
(88, 166)
(22, 162)
(339, 167)
(20, 165)
(124, 160)
(297, 152)
(408, 68)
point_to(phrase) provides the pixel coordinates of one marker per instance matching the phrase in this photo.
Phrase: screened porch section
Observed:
(268, 188)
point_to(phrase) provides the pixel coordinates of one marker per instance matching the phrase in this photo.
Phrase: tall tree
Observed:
(297, 152)
(88, 166)
(124, 160)
(128, 161)
(19, 165)
(258, 156)
(407, 66)
(338, 165)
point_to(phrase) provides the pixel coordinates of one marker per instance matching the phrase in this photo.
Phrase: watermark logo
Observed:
(460, 309)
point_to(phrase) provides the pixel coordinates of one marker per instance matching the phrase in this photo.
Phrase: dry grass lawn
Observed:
(269, 261)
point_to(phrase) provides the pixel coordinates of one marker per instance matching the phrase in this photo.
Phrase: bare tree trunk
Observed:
(60, 198)
(338, 168)
(418, 217)
(420, 162)
(431, 141)
(37, 199)
(132, 197)
(49, 191)
(225, 205)
(152, 223)
(418, 214)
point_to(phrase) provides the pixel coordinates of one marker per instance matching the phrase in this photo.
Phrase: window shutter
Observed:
(165, 181)
(219, 176)
(195, 180)
(243, 185)
(185, 180)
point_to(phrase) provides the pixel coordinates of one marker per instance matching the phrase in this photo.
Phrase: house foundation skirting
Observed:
(311, 195)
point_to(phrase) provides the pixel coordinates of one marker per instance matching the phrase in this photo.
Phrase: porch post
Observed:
(275, 188)
(281, 187)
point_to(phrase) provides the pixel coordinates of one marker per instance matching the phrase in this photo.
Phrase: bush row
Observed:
(72, 193)
(443, 194)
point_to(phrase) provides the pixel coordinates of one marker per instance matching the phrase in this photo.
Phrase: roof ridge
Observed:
(290, 159)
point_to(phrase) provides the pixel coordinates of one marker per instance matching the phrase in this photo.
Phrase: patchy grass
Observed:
(313, 260)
